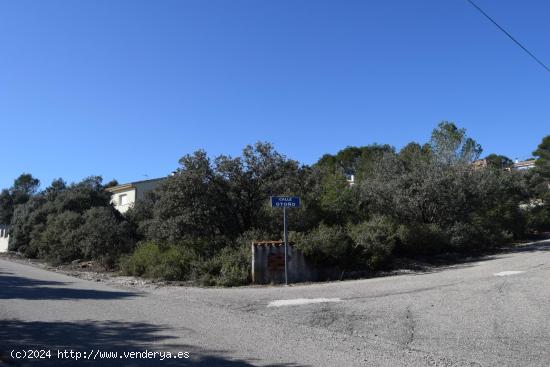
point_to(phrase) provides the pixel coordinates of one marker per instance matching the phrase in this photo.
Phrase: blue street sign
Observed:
(285, 202)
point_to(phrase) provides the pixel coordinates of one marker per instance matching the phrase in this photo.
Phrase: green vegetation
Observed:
(153, 261)
(66, 223)
(23, 188)
(423, 200)
(229, 267)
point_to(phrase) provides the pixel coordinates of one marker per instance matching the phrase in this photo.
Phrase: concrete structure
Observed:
(268, 264)
(4, 238)
(124, 196)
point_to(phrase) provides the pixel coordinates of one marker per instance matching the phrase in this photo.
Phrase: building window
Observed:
(123, 199)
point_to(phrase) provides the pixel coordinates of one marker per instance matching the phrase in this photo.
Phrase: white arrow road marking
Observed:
(510, 272)
(301, 301)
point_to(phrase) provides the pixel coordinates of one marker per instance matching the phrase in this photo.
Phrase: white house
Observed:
(4, 238)
(124, 196)
(523, 165)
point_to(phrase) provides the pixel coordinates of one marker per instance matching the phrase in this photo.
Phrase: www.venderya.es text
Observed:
(94, 354)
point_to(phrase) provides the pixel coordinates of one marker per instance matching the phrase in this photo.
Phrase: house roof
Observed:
(130, 185)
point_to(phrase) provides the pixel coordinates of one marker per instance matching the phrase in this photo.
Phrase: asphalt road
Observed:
(474, 314)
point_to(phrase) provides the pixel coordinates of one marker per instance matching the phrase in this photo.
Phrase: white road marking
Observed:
(301, 301)
(510, 272)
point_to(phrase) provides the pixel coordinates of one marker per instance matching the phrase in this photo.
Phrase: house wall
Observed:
(4, 239)
(130, 199)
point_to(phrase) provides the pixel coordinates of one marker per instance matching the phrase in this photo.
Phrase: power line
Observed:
(509, 35)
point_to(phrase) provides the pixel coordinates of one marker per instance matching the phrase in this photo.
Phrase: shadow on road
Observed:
(107, 336)
(16, 287)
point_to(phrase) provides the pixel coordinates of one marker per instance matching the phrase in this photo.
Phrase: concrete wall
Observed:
(4, 238)
(268, 264)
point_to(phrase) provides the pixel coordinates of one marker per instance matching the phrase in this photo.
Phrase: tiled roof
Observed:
(271, 243)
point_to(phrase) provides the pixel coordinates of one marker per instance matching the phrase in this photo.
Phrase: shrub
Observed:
(325, 245)
(208, 271)
(235, 266)
(62, 224)
(231, 267)
(375, 240)
(538, 217)
(421, 239)
(60, 238)
(465, 236)
(26, 218)
(104, 235)
(477, 236)
(174, 264)
(233, 263)
(153, 261)
(141, 259)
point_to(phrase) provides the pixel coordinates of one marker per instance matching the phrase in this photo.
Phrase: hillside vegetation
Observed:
(423, 200)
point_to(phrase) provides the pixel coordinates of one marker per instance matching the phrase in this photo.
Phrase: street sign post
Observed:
(285, 202)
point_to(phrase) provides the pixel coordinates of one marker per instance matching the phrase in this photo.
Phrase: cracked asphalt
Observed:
(461, 315)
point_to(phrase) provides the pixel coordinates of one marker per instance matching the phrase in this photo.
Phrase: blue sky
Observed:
(123, 89)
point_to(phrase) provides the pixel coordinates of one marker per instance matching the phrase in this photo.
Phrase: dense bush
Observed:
(144, 257)
(59, 242)
(198, 225)
(326, 245)
(225, 197)
(27, 224)
(421, 239)
(475, 237)
(230, 267)
(539, 219)
(375, 240)
(66, 223)
(158, 262)
(443, 206)
(104, 235)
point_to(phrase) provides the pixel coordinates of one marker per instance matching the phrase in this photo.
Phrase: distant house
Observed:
(523, 165)
(124, 196)
(4, 238)
(516, 166)
(480, 164)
